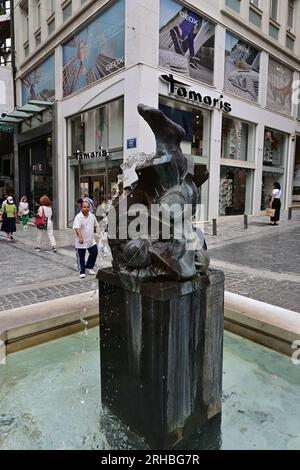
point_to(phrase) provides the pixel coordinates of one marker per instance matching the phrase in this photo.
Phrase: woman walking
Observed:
(24, 212)
(275, 203)
(9, 214)
(46, 211)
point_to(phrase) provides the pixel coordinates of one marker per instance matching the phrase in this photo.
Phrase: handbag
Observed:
(41, 221)
(270, 212)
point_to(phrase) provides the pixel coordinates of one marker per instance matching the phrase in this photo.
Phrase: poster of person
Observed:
(242, 62)
(280, 79)
(186, 41)
(96, 51)
(40, 83)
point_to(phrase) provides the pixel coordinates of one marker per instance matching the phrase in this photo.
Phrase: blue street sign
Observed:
(131, 143)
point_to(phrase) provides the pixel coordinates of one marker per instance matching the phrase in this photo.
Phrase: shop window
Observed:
(95, 175)
(274, 143)
(196, 142)
(235, 191)
(237, 139)
(193, 121)
(274, 161)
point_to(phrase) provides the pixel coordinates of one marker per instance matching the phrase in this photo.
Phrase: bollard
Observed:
(214, 221)
(290, 213)
(245, 221)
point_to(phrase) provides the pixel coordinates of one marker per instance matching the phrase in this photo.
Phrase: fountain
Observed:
(161, 307)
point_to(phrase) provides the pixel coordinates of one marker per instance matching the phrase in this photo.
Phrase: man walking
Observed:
(84, 226)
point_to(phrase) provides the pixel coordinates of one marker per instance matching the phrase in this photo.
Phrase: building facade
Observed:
(6, 102)
(226, 71)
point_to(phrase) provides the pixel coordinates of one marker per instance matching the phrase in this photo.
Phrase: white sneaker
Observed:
(91, 272)
(82, 275)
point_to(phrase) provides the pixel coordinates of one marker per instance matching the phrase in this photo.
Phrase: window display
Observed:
(235, 191)
(274, 148)
(235, 139)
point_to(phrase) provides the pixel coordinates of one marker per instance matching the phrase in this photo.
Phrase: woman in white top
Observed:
(24, 211)
(275, 203)
(45, 207)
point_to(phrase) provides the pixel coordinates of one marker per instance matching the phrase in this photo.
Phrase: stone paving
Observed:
(261, 262)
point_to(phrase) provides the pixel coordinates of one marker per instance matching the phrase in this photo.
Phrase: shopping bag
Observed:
(270, 212)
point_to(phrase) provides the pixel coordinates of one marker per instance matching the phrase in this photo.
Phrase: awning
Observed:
(26, 112)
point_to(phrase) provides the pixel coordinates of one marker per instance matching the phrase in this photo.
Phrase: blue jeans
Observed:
(80, 254)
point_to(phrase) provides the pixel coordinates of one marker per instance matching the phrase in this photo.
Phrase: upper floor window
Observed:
(67, 11)
(291, 10)
(52, 6)
(38, 15)
(256, 3)
(274, 9)
(234, 5)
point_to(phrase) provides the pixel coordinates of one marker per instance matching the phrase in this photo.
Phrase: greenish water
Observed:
(50, 398)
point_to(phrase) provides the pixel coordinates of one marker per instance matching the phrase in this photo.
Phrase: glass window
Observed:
(237, 139)
(255, 2)
(291, 8)
(51, 26)
(274, 148)
(196, 123)
(100, 127)
(52, 6)
(186, 41)
(234, 5)
(273, 31)
(235, 191)
(290, 43)
(38, 21)
(274, 9)
(95, 51)
(255, 18)
(38, 39)
(67, 12)
(279, 94)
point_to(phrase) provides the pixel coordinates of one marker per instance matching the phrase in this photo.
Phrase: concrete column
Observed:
(141, 86)
(219, 63)
(141, 42)
(259, 151)
(214, 164)
(263, 79)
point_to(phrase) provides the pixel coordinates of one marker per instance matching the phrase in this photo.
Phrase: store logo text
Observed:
(180, 89)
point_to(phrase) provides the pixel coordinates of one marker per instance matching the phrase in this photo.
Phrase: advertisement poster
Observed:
(96, 51)
(280, 79)
(242, 62)
(186, 42)
(40, 83)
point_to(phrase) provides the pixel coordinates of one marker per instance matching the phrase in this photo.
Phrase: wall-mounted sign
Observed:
(131, 143)
(5, 128)
(179, 89)
(90, 155)
(39, 168)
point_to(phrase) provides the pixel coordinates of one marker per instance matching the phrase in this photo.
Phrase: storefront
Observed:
(6, 161)
(35, 169)
(92, 171)
(236, 182)
(274, 163)
(196, 143)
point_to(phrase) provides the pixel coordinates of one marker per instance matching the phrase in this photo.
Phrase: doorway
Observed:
(94, 186)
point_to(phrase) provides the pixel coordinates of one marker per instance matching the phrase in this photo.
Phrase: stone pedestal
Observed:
(161, 354)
